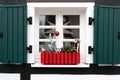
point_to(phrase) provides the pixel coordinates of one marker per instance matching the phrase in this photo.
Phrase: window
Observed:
(71, 23)
(69, 30)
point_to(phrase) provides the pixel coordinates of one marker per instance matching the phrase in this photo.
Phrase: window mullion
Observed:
(59, 39)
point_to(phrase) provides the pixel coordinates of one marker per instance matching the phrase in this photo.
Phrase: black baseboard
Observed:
(26, 70)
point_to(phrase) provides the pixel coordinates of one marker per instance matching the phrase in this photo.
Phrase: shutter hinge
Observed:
(29, 49)
(91, 20)
(29, 20)
(90, 49)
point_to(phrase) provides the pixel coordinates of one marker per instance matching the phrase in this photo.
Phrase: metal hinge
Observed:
(29, 20)
(29, 49)
(90, 49)
(91, 20)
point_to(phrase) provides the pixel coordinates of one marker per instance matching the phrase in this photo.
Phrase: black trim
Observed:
(94, 69)
(13, 1)
(60, 0)
(108, 2)
(26, 70)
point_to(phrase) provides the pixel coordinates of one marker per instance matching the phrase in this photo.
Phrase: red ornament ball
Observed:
(56, 33)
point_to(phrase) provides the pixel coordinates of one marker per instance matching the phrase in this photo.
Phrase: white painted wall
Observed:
(75, 77)
(9, 76)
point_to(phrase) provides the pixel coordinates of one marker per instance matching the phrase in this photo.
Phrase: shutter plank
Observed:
(115, 53)
(110, 40)
(100, 34)
(119, 31)
(105, 36)
(10, 34)
(5, 38)
(20, 34)
(15, 35)
(1, 30)
(96, 11)
(25, 35)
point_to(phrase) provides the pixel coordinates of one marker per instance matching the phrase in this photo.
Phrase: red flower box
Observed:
(60, 58)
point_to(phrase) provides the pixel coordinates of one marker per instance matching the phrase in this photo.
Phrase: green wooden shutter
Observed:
(106, 29)
(14, 28)
(1, 32)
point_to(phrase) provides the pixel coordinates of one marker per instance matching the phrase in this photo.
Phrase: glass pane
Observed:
(71, 33)
(71, 20)
(48, 20)
(46, 46)
(46, 33)
(71, 46)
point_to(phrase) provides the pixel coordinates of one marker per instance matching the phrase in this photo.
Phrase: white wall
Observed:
(9, 76)
(75, 77)
(4, 76)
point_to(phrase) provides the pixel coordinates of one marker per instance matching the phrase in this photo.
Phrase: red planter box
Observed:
(60, 58)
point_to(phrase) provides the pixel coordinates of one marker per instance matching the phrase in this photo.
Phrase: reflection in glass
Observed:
(65, 44)
(72, 44)
(71, 20)
(44, 33)
(71, 33)
(43, 46)
(46, 46)
(48, 20)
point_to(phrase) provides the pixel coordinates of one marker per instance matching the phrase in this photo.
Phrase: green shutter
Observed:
(106, 28)
(1, 31)
(14, 27)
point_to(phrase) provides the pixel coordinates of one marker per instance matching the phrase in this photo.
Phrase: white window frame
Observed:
(32, 30)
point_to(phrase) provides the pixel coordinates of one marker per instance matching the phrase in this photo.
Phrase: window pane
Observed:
(72, 46)
(71, 20)
(46, 46)
(48, 20)
(71, 33)
(46, 33)
(65, 44)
